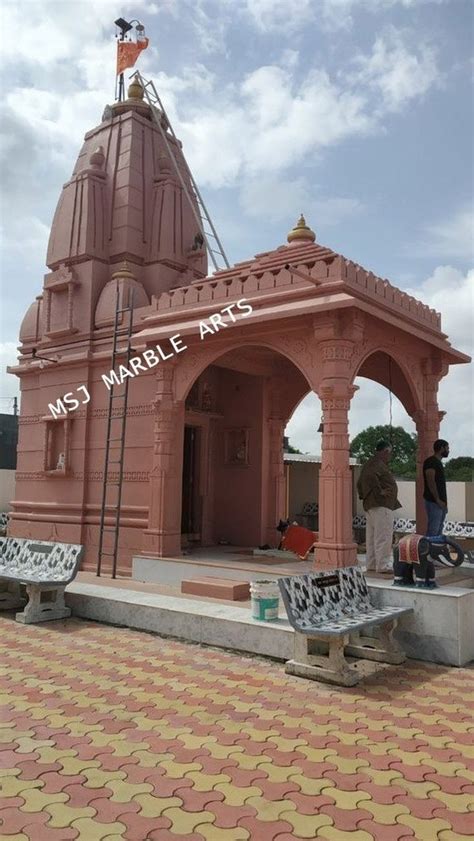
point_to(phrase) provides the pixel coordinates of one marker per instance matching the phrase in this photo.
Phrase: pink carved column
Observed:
(336, 547)
(163, 536)
(276, 487)
(427, 421)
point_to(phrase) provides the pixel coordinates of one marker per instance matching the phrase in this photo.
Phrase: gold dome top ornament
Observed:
(301, 232)
(135, 89)
(123, 271)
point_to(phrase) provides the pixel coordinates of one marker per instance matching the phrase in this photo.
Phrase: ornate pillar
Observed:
(206, 485)
(336, 547)
(163, 535)
(427, 421)
(276, 486)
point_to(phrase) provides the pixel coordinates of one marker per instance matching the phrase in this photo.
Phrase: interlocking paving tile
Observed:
(109, 734)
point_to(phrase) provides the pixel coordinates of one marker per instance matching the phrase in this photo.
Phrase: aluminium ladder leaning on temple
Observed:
(115, 435)
(118, 413)
(201, 214)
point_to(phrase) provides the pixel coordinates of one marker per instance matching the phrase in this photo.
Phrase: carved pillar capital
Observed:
(336, 395)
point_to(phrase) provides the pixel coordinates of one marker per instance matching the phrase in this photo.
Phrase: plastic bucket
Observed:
(265, 599)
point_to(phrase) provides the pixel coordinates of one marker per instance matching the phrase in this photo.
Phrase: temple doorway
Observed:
(233, 491)
(191, 526)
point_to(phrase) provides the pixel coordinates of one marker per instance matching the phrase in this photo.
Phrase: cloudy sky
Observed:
(354, 111)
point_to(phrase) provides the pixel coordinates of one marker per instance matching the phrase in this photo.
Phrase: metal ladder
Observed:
(213, 243)
(116, 414)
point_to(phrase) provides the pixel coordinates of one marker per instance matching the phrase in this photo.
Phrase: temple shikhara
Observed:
(202, 447)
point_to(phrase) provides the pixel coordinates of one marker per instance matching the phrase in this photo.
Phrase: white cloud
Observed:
(290, 58)
(338, 14)
(269, 15)
(395, 71)
(262, 122)
(51, 31)
(273, 118)
(452, 293)
(278, 15)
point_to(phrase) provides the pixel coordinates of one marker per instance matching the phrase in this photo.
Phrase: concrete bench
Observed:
(3, 522)
(45, 568)
(329, 610)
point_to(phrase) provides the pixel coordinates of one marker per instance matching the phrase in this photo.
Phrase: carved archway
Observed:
(269, 383)
(298, 350)
(382, 364)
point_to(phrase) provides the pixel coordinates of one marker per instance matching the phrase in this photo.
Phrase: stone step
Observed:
(217, 588)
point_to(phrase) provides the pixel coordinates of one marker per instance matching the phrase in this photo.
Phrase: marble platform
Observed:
(212, 622)
(441, 629)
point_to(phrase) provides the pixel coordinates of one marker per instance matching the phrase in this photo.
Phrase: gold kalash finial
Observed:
(301, 232)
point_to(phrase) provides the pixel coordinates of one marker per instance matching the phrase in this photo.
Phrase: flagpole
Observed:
(124, 26)
(142, 43)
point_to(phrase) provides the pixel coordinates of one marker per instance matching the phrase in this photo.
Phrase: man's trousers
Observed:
(379, 538)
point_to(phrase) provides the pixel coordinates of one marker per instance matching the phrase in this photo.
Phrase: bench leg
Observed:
(10, 595)
(44, 604)
(382, 648)
(311, 661)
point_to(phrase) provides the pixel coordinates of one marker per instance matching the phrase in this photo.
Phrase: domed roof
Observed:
(32, 325)
(127, 285)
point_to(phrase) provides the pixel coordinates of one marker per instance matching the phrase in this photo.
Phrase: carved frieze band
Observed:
(132, 411)
(91, 476)
(329, 403)
(332, 353)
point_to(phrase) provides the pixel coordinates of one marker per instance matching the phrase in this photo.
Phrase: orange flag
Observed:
(128, 52)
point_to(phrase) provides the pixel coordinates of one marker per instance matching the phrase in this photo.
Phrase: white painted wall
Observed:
(460, 495)
(7, 489)
(457, 501)
(406, 495)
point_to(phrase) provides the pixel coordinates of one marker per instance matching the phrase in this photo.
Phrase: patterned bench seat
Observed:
(45, 568)
(328, 610)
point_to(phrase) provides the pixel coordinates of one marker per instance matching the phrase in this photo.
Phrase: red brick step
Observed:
(217, 588)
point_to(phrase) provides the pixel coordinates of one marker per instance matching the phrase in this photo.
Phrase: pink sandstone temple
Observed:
(203, 453)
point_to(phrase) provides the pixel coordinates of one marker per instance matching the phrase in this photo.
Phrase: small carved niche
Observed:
(237, 447)
(57, 445)
(204, 394)
(58, 303)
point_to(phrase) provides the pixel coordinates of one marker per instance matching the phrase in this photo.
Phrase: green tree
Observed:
(404, 446)
(460, 469)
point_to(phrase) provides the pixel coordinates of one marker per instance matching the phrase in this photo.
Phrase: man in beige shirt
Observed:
(378, 491)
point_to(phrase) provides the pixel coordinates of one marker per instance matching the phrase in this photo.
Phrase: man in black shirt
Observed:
(434, 493)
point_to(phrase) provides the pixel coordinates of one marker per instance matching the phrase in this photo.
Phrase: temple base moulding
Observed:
(161, 544)
(335, 555)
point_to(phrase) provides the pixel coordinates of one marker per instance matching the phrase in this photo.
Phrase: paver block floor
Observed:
(110, 734)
